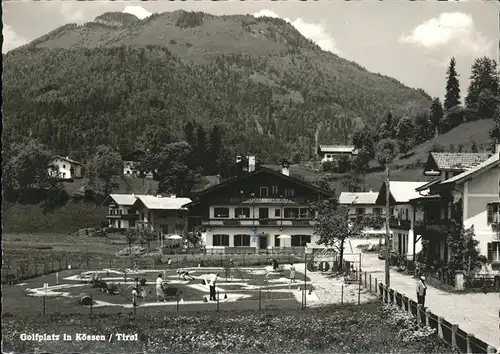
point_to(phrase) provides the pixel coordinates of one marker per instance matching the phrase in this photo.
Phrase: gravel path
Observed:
(474, 313)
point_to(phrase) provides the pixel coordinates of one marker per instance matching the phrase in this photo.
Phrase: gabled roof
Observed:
(132, 155)
(124, 199)
(428, 185)
(163, 203)
(493, 161)
(67, 159)
(400, 191)
(337, 148)
(262, 170)
(347, 198)
(456, 160)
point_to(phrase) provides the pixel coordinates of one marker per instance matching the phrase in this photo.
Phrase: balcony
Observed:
(440, 226)
(399, 224)
(129, 216)
(247, 222)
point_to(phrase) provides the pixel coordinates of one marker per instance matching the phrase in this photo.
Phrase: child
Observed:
(211, 284)
(292, 273)
(184, 273)
(169, 263)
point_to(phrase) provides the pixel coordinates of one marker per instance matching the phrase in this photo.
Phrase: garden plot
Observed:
(233, 286)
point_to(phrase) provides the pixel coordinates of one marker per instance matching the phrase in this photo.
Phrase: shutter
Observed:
(490, 251)
(490, 213)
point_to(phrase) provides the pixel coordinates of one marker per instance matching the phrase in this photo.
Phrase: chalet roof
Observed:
(132, 155)
(163, 203)
(124, 199)
(458, 161)
(67, 159)
(428, 184)
(358, 198)
(493, 161)
(337, 148)
(269, 201)
(400, 191)
(424, 198)
(260, 171)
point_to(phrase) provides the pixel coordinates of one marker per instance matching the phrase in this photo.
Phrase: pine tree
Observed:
(436, 115)
(482, 94)
(201, 148)
(452, 97)
(214, 150)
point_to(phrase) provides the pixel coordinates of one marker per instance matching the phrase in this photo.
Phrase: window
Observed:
(263, 192)
(289, 192)
(304, 213)
(149, 216)
(164, 229)
(221, 240)
(241, 240)
(494, 251)
(64, 166)
(406, 212)
(277, 241)
(328, 156)
(291, 213)
(274, 190)
(221, 212)
(360, 211)
(377, 211)
(242, 212)
(277, 213)
(300, 240)
(131, 223)
(120, 212)
(493, 210)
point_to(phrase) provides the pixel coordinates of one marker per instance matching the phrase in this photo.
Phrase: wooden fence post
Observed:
(395, 294)
(470, 337)
(376, 286)
(370, 282)
(454, 329)
(427, 317)
(440, 327)
(419, 310)
(409, 307)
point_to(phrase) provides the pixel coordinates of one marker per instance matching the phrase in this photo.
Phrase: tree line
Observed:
(401, 134)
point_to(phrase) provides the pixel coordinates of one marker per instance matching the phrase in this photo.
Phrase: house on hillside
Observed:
(334, 152)
(249, 213)
(364, 204)
(131, 164)
(472, 199)
(121, 214)
(163, 214)
(66, 168)
(403, 216)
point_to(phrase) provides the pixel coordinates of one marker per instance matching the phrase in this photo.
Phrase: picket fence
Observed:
(448, 332)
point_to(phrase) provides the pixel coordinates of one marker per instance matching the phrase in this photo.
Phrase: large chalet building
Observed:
(249, 213)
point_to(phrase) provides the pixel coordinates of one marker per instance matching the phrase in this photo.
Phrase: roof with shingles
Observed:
(269, 201)
(163, 203)
(489, 163)
(458, 160)
(67, 159)
(124, 199)
(337, 148)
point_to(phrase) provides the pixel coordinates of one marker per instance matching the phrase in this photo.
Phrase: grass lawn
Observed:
(336, 329)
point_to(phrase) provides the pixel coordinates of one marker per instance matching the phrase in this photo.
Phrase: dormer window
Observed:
(263, 192)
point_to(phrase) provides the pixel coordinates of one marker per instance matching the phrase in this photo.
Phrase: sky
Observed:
(410, 41)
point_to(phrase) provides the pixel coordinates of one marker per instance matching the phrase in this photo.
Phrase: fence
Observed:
(22, 270)
(448, 332)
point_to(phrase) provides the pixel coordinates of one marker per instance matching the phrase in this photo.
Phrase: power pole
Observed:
(387, 218)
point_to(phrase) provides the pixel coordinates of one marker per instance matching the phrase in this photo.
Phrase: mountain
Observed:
(272, 91)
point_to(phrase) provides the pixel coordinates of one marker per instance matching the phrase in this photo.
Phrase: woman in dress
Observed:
(159, 288)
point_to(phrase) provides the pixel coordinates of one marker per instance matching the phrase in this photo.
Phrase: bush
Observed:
(327, 166)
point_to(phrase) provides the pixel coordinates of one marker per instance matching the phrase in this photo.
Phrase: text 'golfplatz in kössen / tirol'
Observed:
(79, 337)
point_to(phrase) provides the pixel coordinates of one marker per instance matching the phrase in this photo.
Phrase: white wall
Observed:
(480, 191)
(270, 230)
(64, 168)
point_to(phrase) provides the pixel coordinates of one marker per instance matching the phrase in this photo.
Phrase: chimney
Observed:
(251, 163)
(285, 168)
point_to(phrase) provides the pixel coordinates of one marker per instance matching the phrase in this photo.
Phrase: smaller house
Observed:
(403, 215)
(334, 152)
(166, 215)
(444, 165)
(364, 204)
(121, 213)
(131, 164)
(66, 168)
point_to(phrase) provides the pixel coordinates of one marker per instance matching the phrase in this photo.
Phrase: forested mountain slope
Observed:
(271, 90)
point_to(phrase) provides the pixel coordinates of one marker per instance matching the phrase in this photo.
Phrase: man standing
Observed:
(421, 291)
(211, 284)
